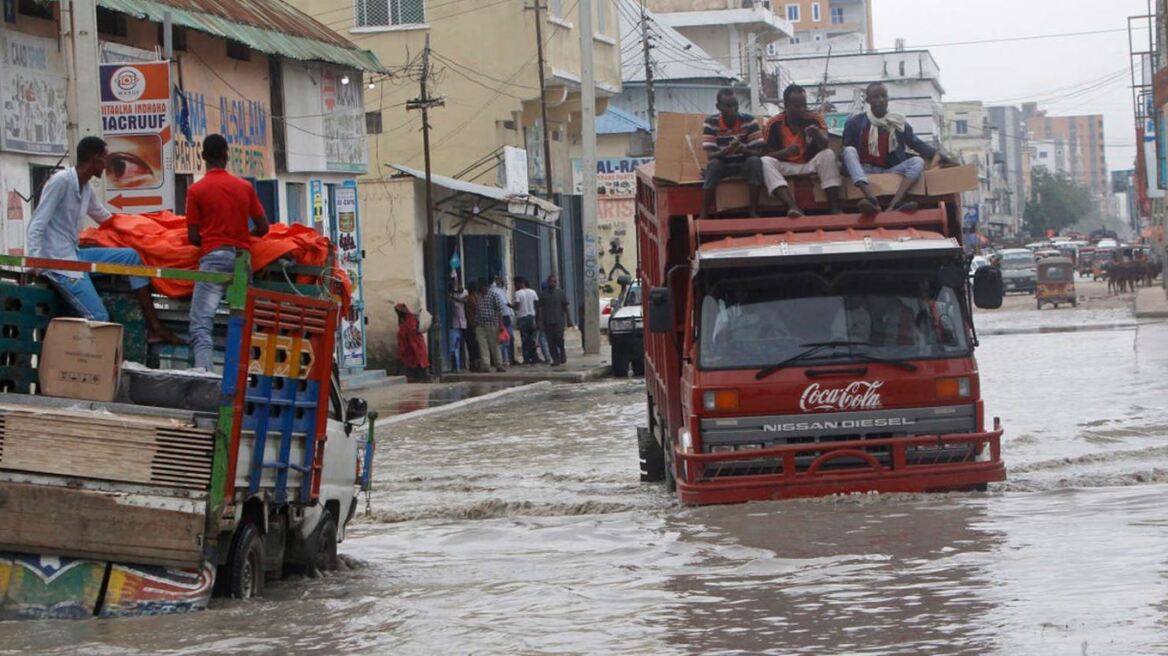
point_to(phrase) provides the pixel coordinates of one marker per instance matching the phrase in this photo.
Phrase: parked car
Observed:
(605, 312)
(625, 334)
(1019, 270)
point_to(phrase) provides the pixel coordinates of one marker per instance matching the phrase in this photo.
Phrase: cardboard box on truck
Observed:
(952, 180)
(679, 155)
(81, 359)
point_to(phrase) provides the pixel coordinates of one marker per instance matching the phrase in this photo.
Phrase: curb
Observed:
(457, 405)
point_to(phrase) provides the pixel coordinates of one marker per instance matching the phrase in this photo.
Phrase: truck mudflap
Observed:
(48, 587)
(917, 463)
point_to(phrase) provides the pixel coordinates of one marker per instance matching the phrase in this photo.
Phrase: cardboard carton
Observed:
(952, 180)
(81, 359)
(735, 195)
(679, 155)
(880, 184)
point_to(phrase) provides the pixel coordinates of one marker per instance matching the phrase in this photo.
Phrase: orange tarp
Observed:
(161, 240)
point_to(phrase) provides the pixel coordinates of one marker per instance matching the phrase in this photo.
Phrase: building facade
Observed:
(1083, 136)
(1010, 130)
(818, 21)
(970, 137)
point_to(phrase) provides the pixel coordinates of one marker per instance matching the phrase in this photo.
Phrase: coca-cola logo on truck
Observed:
(858, 395)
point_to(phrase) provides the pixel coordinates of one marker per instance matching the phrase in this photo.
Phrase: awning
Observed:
(269, 26)
(523, 206)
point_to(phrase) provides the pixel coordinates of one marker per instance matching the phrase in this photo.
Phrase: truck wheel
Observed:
(652, 457)
(325, 555)
(245, 568)
(620, 363)
(670, 466)
(639, 366)
(1074, 302)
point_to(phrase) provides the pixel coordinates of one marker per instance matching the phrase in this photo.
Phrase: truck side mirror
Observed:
(987, 288)
(356, 410)
(660, 310)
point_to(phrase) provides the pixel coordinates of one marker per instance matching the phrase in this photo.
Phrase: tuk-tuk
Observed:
(1056, 282)
(1101, 261)
(1086, 258)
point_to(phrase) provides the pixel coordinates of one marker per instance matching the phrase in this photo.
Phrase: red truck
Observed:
(812, 356)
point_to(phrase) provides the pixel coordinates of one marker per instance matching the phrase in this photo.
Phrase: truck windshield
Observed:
(755, 321)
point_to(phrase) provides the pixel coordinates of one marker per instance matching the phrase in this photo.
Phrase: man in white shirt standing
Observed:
(499, 289)
(525, 299)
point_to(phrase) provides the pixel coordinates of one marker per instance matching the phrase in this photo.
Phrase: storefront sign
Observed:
(347, 237)
(615, 178)
(136, 123)
(316, 197)
(325, 119)
(32, 90)
(245, 125)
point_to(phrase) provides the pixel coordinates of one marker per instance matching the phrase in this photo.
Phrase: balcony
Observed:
(759, 19)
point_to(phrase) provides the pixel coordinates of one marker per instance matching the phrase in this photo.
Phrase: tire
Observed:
(652, 457)
(639, 366)
(324, 552)
(245, 568)
(620, 363)
(670, 466)
(1074, 302)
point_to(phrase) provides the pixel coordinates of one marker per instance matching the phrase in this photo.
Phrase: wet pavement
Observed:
(521, 527)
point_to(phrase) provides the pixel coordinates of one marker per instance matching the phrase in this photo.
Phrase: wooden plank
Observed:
(76, 523)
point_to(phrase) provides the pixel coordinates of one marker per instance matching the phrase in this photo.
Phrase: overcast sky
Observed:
(1027, 70)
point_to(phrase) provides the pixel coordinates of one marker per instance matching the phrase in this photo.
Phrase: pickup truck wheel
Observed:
(620, 363)
(325, 555)
(652, 457)
(245, 569)
(639, 366)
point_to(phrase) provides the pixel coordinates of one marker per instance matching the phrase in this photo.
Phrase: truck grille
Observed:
(745, 434)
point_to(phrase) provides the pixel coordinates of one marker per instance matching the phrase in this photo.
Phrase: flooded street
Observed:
(522, 528)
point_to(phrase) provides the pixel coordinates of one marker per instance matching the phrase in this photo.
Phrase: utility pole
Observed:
(83, 97)
(649, 94)
(547, 146)
(590, 318)
(430, 258)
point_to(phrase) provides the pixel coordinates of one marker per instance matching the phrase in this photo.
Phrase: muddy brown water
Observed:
(521, 528)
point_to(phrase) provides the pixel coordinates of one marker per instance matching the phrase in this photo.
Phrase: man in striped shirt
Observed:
(733, 141)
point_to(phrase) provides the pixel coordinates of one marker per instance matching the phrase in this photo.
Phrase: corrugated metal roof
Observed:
(269, 26)
(617, 121)
(528, 205)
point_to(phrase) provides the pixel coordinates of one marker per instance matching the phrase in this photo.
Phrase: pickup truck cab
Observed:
(625, 332)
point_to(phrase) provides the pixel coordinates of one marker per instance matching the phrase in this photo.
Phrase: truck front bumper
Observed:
(918, 463)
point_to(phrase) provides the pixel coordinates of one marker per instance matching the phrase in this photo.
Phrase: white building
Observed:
(969, 136)
(1050, 154)
(912, 77)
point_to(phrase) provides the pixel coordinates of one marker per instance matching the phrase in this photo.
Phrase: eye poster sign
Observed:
(136, 124)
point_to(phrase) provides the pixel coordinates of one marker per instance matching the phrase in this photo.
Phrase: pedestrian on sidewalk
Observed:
(457, 328)
(525, 301)
(555, 315)
(470, 335)
(499, 289)
(489, 320)
(411, 347)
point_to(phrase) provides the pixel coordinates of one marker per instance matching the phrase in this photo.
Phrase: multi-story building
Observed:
(912, 77)
(816, 21)
(970, 137)
(1053, 155)
(1011, 136)
(1083, 136)
(734, 33)
(483, 65)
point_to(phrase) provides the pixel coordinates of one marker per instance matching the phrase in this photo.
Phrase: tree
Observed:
(1056, 202)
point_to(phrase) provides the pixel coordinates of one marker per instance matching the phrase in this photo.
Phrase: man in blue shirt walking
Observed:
(53, 234)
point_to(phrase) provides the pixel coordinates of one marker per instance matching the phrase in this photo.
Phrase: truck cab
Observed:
(803, 357)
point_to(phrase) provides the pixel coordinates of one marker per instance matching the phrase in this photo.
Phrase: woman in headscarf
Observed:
(411, 347)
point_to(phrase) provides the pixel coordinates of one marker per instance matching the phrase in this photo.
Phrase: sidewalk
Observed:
(1151, 303)
(578, 369)
(397, 402)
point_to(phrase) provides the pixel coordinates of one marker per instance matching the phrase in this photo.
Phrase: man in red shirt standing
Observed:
(218, 209)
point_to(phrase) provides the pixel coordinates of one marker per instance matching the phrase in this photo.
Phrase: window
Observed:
(961, 127)
(902, 68)
(373, 122)
(772, 50)
(388, 13)
(237, 50)
(111, 22)
(815, 14)
(36, 9)
(794, 40)
(837, 15)
(793, 13)
(818, 37)
(178, 36)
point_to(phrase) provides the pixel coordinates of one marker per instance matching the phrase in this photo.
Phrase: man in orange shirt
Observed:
(218, 210)
(797, 145)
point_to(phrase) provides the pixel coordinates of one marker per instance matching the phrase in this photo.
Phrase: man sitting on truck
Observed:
(218, 210)
(52, 233)
(876, 142)
(797, 145)
(733, 142)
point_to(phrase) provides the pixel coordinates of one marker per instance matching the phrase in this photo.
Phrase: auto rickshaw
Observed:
(1056, 282)
(1086, 259)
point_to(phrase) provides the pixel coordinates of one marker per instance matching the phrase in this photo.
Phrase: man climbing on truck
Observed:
(876, 141)
(53, 231)
(797, 145)
(733, 142)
